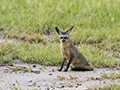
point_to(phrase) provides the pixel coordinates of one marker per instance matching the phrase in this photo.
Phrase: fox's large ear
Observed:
(69, 30)
(57, 30)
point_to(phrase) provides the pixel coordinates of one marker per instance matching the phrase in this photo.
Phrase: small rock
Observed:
(10, 64)
(15, 72)
(104, 82)
(40, 68)
(29, 85)
(61, 86)
(13, 84)
(97, 78)
(30, 81)
(38, 86)
(50, 74)
(76, 86)
(34, 66)
(79, 84)
(35, 70)
(20, 72)
(53, 70)
(52, 87)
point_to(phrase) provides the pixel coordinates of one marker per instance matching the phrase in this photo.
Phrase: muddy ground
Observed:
(30, 76)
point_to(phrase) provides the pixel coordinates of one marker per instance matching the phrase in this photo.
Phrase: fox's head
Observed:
(63, 36)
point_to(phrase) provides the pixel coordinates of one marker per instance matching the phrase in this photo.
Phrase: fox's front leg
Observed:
(68, 64)
(64, 59)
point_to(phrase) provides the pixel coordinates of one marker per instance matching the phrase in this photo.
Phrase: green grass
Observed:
(95, 21)
(99, 58)
(106, 87)
(5, 52)
(111, 75)
(50, 54)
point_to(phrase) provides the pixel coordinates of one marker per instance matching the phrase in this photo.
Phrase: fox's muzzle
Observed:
(63, 40)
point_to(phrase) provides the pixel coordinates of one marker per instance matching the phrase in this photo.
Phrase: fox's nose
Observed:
(63, 40)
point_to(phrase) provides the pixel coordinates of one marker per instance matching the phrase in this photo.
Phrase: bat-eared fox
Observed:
(70, 53)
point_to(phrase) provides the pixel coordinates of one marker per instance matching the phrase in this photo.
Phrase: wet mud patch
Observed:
(35, 76)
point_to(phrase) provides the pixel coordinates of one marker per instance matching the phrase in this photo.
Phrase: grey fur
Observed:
(71, 54)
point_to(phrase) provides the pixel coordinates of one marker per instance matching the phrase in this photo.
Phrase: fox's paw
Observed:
(59, 69)
(65, 70)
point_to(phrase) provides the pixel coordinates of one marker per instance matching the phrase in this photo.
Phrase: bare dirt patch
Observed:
(34, 76)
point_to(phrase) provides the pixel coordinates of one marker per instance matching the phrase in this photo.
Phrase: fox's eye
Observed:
(65, 37)
(61, 37)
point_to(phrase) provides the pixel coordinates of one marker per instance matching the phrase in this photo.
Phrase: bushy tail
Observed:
(90, 67)
(86, 68)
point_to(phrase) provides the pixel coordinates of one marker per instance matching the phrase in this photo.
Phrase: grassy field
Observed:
(106, 87)
(111, 75)
(50, 54)
(96, 23)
